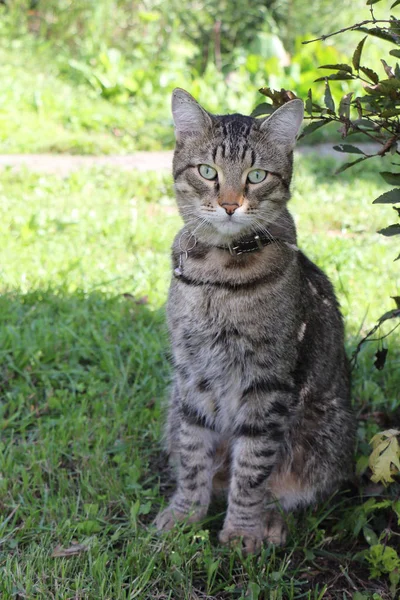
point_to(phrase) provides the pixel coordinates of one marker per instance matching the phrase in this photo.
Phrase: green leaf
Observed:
(395, 3)
(391, 197)
(339, 76)
(370, 535)
(390, 314)
(391, 112)
(382, 559)
(253, 591)
(329, 102)
(357, 54)
(308, 104)
(397, 300)
(396, 504)
(394, 25)
(362, 464)
(392, 178)
(348, 148)
(364, 124)
(350, 164)
(395, 53)
(391, 230)
(378, 32)
(339, 67)
(344, 106)
(390, 84)
(88, 527)
(370, 74)
(372, 2)
(311, 127)
(262, 109)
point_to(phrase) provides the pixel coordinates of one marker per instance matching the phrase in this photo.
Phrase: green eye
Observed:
(257, 175)
(207, 172)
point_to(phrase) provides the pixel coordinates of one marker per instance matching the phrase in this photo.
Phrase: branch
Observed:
(351, 28)
(390, 315)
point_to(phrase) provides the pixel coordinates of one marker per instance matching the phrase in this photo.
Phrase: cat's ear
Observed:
(189, 117)
(284, 124)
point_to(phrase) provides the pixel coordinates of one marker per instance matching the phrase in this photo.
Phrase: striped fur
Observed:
(260, 397)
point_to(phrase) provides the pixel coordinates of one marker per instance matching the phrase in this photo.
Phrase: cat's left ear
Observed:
(284, 124)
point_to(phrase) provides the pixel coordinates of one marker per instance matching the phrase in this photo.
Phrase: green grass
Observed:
(46, 106)
(42, 109)
(84, 372)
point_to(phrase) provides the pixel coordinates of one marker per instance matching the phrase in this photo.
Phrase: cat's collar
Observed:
(249, 244)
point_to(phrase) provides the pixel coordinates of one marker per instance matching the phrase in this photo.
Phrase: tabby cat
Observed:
(260, 401)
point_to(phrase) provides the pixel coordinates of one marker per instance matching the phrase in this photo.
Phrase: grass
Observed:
(47, 106)
(84, 372)
(45, 110)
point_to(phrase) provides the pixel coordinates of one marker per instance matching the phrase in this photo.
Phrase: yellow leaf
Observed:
(385, 457)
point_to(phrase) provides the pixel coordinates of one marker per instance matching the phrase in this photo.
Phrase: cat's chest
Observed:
(220, 343)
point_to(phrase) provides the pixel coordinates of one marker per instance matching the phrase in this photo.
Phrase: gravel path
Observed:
(62, 164)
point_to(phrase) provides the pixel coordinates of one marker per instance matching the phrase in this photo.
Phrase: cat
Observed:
(260, 403)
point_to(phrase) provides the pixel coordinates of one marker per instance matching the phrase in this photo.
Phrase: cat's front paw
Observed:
(167, 518)
(275, 531)
(250, 541)
(170, 516)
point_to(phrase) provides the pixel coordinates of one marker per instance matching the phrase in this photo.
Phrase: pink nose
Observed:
(230, 207)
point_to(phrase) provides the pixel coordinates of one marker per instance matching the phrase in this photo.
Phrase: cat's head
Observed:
(232, 173)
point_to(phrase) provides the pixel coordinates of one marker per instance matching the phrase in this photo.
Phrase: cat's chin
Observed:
(230, 229)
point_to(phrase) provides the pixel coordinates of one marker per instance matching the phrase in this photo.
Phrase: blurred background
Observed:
(88, 76)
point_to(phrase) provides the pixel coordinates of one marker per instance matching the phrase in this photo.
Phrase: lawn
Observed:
(43, 109)
(84, 375)
(48, 106)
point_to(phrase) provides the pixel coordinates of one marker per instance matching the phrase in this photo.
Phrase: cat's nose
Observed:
(230, 207)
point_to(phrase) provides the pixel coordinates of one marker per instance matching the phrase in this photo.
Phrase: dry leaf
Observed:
(384, 461)
(74, 550)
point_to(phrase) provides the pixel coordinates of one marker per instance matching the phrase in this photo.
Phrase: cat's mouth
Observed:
(230, 225)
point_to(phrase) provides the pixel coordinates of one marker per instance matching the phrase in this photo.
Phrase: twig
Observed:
(395, 313)
(371, 8)
(379, 339)
(350, 28)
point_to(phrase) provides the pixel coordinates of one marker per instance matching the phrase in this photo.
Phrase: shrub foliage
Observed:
(374, 112)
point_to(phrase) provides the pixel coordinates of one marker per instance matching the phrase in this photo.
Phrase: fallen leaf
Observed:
(384, 461)
(74, 550)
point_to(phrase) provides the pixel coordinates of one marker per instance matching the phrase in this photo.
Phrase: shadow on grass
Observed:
(82, 376)
(82, 379)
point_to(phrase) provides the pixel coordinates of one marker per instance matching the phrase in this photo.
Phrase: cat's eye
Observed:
(207, 172)
(256, 175)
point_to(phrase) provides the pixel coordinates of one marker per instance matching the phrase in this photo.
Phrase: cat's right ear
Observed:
(189, 117)
(284, 124)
